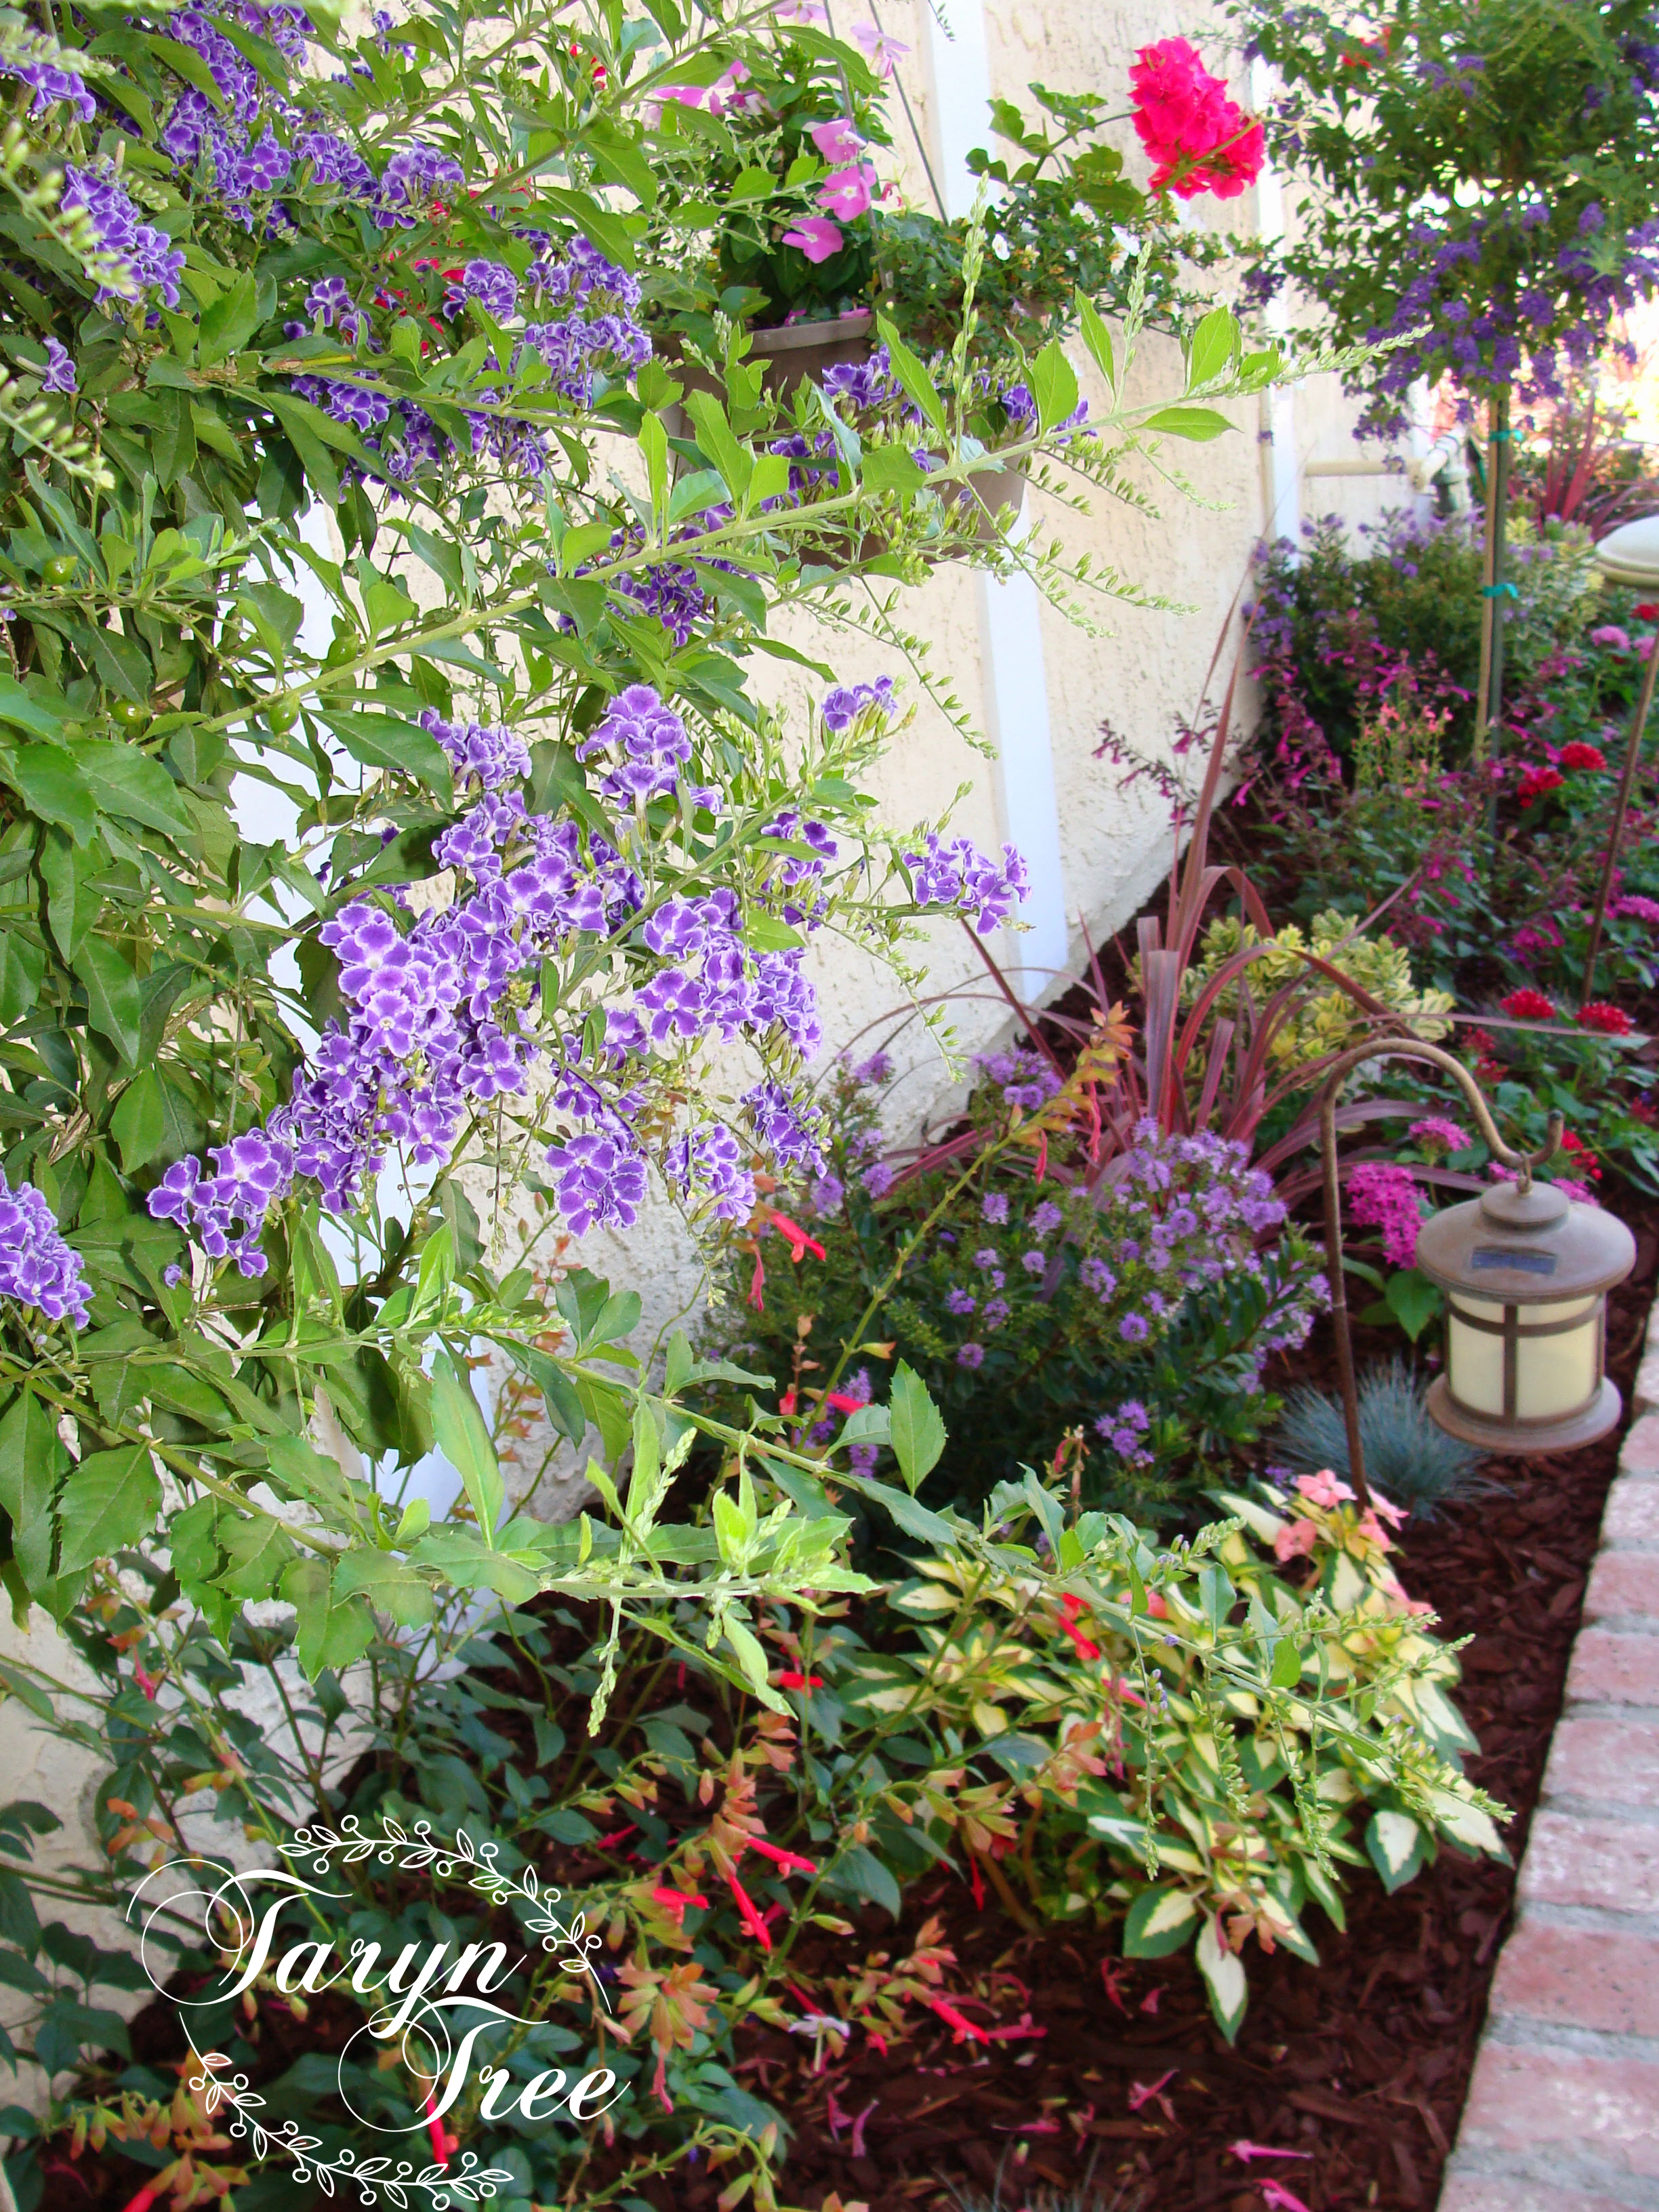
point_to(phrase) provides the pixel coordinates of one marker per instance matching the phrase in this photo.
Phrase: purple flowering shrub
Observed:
(1139, 1305)
(1486, 182)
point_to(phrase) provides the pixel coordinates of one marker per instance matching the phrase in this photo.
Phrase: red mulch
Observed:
(1362, 2062)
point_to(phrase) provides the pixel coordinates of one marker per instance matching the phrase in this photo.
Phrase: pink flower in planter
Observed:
(846, 192)
(1200, 140)
(837, 140)
(817, 237)
(1611, 636)
(1383, 1196)
(883, 50)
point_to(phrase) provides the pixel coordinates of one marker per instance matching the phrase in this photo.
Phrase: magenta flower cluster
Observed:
(38, 1268)
(1382, 1195)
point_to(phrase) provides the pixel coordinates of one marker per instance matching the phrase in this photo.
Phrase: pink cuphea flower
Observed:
(1295, 1540)
(846, 192)
(817, 237)
(837, 140)
(1326, 1488)
(1200, 140)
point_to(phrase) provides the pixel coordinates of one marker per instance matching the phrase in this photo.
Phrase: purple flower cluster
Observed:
(441, 1012)
(50, 84)
(38, 1268)
(959, 875)
(1125, 1429)
(842, 706)
(139, 259)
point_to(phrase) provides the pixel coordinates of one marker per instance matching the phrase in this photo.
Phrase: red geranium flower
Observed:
(1528, 1006)
(1584, 1160)
(1579, 754)
(1200, 140)
(1648, 611)
(1536, 782)
(1605, 1018)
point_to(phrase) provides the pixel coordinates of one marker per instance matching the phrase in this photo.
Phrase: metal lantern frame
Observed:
(1493, 1437)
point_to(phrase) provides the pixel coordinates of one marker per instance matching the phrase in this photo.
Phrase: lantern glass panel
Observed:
(1474, 1360)
(1559, 1374)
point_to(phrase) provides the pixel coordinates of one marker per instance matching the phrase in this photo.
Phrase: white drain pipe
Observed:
(1010, 613)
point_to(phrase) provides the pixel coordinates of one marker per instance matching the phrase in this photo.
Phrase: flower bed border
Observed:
(1561, 2109)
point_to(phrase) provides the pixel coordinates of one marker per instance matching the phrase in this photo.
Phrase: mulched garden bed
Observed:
(1361, 2062)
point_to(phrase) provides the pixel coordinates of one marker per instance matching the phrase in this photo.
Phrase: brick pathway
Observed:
(1562, 2113)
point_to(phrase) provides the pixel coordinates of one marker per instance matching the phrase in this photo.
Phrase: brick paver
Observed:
(1563, 2110)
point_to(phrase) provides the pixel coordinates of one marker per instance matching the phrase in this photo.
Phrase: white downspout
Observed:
(1010, 625)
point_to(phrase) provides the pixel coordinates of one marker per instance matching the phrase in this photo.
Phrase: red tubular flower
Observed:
(676, 1902)
(796, 1681)
(841, 1400)
(795, 1237)
(1605, 1018)
(952, 2018)
(747, 1912)
(1528, 1006)
(786, 1860)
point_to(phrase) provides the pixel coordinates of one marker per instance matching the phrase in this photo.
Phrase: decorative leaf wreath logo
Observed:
(416, 1849)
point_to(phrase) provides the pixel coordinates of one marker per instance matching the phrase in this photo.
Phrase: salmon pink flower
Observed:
(1294, 1540)
(1325, 1488)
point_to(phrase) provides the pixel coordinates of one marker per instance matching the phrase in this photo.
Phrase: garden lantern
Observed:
(1627, 555)
(1526, 1274)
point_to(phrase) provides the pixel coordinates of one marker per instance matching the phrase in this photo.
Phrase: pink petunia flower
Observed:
(846, 192)
(818, 238)
(837, 140)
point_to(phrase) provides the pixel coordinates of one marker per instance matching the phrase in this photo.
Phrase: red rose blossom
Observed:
(1200, 140)
(1605, 1018)
(1528, 1006)
(1579, 754)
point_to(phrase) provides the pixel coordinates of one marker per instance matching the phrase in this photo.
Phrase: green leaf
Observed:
(302, 1470)
(1098, 339)
(256, 1550)
(654, 448)
(915, 1520)
(22, 972)
(114, 1003)
(1200, 424)
(890, 468)
(32, 1463)
(715, 437)
(139, 1122)
(328, 1630)
(465, 1443)
(1216, 1594)
(1413, 1300)
(1213, 347)
(1223, 1972)
(1395, 1845)
(230, 322)
(25, 713)
(47, 780)
(109, 1501)
(1159, 1922)
(858, 1873)
(387, 1583)
(126, 782)
(1054, 383)
(918, 1429)
(751, 1655)
(912, 374)
(564, 1408)
(1287, 1664)
(382, 741)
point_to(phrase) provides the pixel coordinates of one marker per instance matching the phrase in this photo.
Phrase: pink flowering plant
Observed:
(358, 885)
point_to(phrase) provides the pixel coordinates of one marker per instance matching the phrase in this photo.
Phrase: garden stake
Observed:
(1522, 1162)
(1615, 835)
(1496, 585)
